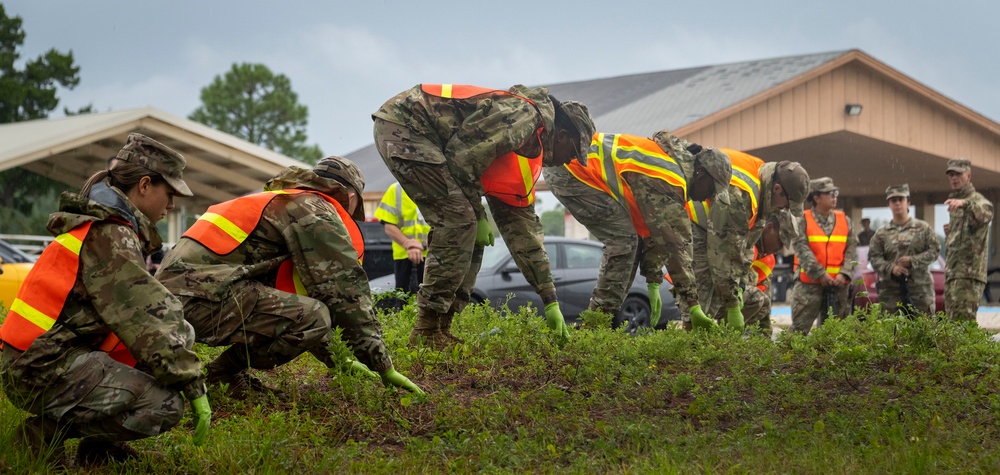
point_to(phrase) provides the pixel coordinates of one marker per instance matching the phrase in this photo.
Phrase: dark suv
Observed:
(378, 250)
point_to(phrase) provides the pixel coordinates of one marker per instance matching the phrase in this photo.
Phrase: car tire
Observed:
(633, 306)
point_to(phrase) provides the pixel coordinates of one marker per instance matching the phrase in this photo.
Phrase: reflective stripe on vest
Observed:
(226, 225)
(43, 295)
(288, 279)
(698, 212)
(829, 250)
(398, 206)
(611, 155)
(510, 177)
(763, 267)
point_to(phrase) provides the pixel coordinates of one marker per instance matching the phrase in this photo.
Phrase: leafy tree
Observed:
(27, 94)
(554, 222)
(30, 93)
(253, 103)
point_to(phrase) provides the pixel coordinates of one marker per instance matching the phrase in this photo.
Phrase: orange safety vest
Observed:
(226, 225)
(510, 177)
(762, 266)
(44, 292)
(829, 250)
(746, 176)
(612, 155)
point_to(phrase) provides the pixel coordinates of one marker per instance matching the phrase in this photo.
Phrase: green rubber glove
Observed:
(699, 319)
(393, 378)
(655, 304)
(484, 233)
(734, 318)
(202, 418)
(555, 320)
(359, 367)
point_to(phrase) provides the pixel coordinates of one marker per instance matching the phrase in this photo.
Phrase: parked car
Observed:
(575, 265)
(378, 250)
(871, 283)
(16, 265)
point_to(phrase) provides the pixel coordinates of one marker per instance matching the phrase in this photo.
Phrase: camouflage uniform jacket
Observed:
(807, 260)
(966, 244)
(729, 255)
(915, 239)
(473, 132)
(301, 227)
(113, 293)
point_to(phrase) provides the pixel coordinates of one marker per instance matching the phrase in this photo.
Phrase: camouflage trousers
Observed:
(453, 257)
(703, 277)
(809, 300)
(101, 398)
(609, 222)
(275, 326)
(890, 297)
(757, 311)
(961, 298)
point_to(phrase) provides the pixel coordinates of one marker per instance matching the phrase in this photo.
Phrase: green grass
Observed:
(874, 396)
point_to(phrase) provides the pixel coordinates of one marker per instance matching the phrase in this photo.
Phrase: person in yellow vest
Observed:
(724, 233)
(826, 254)
(272, 273)
(93, 346)
(639, 186)
(406, 227)
(449, 145)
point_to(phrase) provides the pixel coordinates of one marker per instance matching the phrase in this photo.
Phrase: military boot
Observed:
(444, 325)
(93, 452)
(427, 331)
(42, 437)
(232, 368)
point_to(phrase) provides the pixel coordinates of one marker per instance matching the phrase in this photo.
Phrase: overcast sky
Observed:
(345, 59)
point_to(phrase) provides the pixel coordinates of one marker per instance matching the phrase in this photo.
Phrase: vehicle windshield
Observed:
(493, 255)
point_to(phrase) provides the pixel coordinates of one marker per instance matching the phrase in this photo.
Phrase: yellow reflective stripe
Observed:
(446, 90)
(838, 238)
(32, 315)
(833, 270)
(529, 181)
(225, 225)
(762, 267)
(297, 281)
(819, 239)
(70, 242)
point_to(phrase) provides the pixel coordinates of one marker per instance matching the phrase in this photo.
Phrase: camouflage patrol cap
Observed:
(346, 173)
(959, 165)
(898, 190)
(822, 184)
(580, 117)
(794, 179)
(718, 166)
(154, 156)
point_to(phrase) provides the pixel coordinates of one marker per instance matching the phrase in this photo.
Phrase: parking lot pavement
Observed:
(988, 317)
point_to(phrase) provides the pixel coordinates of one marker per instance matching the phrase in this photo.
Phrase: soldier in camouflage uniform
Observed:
(231, 298)
(64, 374)
(901, 253)
(609, 222)
(757, 293)
(809, 300)
(965, 243)
(438, 145)
(723, 247)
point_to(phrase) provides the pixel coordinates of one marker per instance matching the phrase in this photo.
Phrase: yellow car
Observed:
(16, 265)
